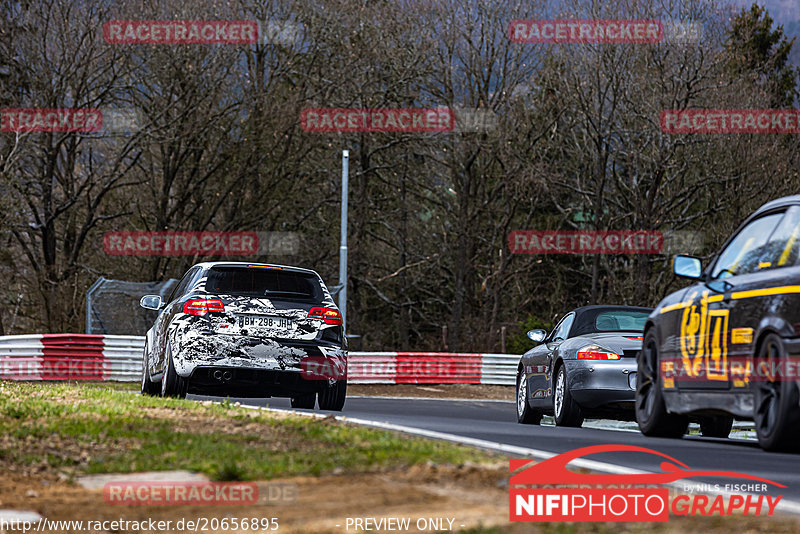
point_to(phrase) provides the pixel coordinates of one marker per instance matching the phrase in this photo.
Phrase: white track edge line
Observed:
(453, 399)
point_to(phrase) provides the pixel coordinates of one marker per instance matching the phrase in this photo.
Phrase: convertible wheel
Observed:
(776, 416)
(172, 384)
(716, 426)
(565, 410)
(525, 414)
(149, 387)
(332, 397)
(651, 414)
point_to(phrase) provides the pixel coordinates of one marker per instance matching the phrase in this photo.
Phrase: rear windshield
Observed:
(256, 281)
(621, 321)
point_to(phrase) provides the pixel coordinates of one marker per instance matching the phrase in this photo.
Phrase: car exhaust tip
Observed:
(222, 376)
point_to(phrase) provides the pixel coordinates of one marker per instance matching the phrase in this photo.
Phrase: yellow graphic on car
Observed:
(703, 339)
(741, 336)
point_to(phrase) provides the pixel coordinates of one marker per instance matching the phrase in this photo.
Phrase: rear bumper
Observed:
(247, 382)
(595, 384)
(727, 397)
(218, 351)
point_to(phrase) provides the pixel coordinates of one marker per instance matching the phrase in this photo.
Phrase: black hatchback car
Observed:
(250, 329)
(728, 345)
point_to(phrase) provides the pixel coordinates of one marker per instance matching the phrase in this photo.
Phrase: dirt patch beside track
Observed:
(473, 496)
(469, 495)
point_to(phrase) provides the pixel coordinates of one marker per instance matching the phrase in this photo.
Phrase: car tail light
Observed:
(329, 315)
(638, 338)
(203, 306)
(593, 352)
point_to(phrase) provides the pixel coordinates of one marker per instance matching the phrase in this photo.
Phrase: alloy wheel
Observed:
(558, 396)
(522, 393)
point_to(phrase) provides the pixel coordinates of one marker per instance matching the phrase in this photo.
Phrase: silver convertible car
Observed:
(247, 329)
(586, 367)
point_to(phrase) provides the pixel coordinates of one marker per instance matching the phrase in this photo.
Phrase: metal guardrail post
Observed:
(89, 293)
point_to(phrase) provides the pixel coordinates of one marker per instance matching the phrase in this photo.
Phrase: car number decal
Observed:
(704, 340)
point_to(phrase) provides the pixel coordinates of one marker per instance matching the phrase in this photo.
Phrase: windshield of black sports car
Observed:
(263, 281)
(620, 321)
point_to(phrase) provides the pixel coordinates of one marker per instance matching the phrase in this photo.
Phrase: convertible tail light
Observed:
(203, 306)
(329, 315)
(593, 352)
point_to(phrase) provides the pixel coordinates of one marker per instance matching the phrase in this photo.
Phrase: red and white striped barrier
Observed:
(100, 357)
(431, 368)
(70, 357)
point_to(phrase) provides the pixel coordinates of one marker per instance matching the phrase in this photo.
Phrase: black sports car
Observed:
(586, 367)
(727, 346)
(250, 329)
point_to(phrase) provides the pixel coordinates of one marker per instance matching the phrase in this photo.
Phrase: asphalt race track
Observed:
(495, 421)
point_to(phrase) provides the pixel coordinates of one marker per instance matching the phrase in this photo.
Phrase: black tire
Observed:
(566, 411)
(525, 414)
(716, 426)
(304, 401)
(148, 387)
(775, 411)
(333, 397)
(651, 413)
(172, 384)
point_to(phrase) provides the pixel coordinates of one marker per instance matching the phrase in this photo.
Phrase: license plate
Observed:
(265, 322)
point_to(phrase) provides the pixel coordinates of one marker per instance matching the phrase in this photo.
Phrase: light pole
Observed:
(343, 244)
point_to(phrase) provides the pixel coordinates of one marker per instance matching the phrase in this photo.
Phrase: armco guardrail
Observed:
(101, 357)
(432, 368)
(71, 357)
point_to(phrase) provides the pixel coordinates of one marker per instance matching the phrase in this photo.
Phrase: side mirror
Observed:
(687, 267)
(537, 335)
(151, 302)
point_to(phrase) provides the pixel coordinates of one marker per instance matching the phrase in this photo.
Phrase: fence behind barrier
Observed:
(101, 357)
